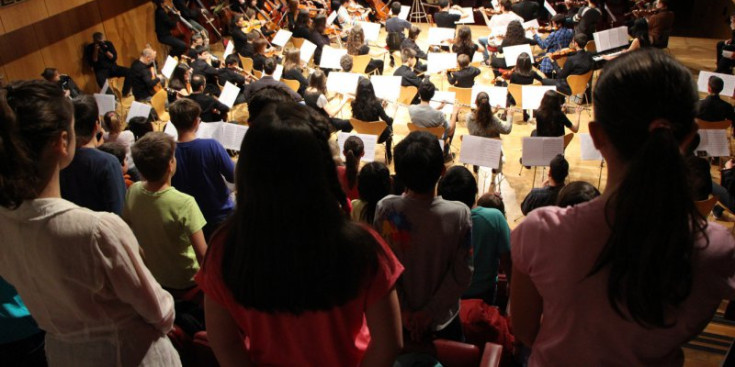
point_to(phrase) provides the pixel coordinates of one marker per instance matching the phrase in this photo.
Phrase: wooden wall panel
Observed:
(131, 31)
(67, 56)
(23, 14)
(2, 27)
(59, 6)
(27, 67)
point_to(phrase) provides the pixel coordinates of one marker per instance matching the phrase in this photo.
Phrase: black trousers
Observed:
(113, 72)
(28, 352)
(178, 47)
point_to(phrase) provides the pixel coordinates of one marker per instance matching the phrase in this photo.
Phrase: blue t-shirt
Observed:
(201, 165)
(94, 180)
(16, 322)
(490, 239)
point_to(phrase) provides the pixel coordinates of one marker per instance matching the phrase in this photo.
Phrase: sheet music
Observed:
(105, 87)
(447, 97)
(208, 130)
(281, 37)
(138, 109)
(372, 30)
(589, 152)
(341, 82)
(278, 72)
(405, 10)
(440, 61)
(727, 54)
(170, 130)
(331, 57)
(469, 19)
(229, 94)
(550, 8)
(498, 95)
(495, 3)
(480, 151)
(611, 38)
(498, 31)
(307, 50)
(387, 87)
(332, 16)
(540, 151)
(369, 141)
(714, 142)
(533, 94)
(439, 36)
(231, 135)
(512, 52)
(729, 82)
(169, 66)
(229, 49)
(477, 57)
(105, 103)
(528, 25)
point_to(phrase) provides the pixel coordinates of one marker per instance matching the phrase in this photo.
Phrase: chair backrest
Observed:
(297, 41)
(568, 139)
(258, 74)
(158, 102)
(407, 94)
(578, 83)
(462, 95)
(291, 83)
(713, 125)
(491, 355)
(437, 131)
(360, 63)
(247, 64)
(516, 90)
(397, 58)
(705, 206)
(368, 128)
(591, 47)
(456, 354)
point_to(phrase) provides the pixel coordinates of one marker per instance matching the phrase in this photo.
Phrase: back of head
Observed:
(576, 192)
(232, 60)
(353, 149)
(373, 184)
(345, 62)
(112, 121)
(152, 155)
(492, 201)
(292, 58)
(32, 114)
(443, 3)
(414, 32)
(48, 73)
(426, 90)
(86, 117)
(320, 22)
(581, 40)
(116, 149)
(184, 114)
(559, 169)
(506, 4)
(484, 112)
(458, 184)
(463, 60)
(198, 82)
(514, 34)
(407, 54)
(395, 7)
(264, 96)
(650, 248)
(97, 36)
(523, 64)
(139, 126)
(419, 161)
(269, 66)
(716, 84)
(558, 19)
(321, 260)
(318, 81)
(303, 19)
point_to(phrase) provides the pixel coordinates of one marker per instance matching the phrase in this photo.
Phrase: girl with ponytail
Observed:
(633, 274)
(79, 272)
(353, 150)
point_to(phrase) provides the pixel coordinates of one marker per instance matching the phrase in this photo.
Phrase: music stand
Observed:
(418, 12)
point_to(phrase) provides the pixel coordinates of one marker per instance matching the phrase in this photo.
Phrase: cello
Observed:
(183, 30)
(209, 22)
(380, 9)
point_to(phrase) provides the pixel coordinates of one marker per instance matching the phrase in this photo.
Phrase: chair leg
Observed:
(389, 150)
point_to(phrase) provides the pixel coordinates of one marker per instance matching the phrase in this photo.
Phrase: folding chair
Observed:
(297, 42)
(247, 64)
(463, 96)
(158, 102)
(258, 74)
(437, 131)
(374, 128)
(291, 83)
(360, 63)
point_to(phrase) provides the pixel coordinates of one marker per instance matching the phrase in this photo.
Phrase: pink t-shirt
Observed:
(558, 247)
(338, 337)
(351, 193)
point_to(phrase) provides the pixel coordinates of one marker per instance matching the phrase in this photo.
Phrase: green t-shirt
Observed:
(163, 223)
(490, 240)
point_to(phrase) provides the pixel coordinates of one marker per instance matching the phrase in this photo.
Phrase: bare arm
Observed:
(199, 243)
(224, 337)
(526, 307)
(384, 322)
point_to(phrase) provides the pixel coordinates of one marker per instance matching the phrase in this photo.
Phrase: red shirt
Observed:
(351, 193)
(337, 337)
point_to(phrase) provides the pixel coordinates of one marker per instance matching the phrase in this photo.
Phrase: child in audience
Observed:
(140, 126)
(353, 150)
(547, 194)
(490, 233)
(118, 150)
(87, 287)
(431, 238)
(636, 272)
(373, 184)
(493, 201)
(115, 134)
(319, 291)
(713, 108)
(94, 179)
(577, 192)
(202, 166)
(465, 76)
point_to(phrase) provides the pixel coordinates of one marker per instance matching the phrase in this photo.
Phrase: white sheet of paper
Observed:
(550, 8)
(469, 19)
(512, 52)
(589, 152)
(105, 87)
(369, 141)
(105, 103)
(209, 130)
(278, 72)
(387, 87)
(341, 82)
(540, 151)
(495, 3)
(138, 109)
(439, 36)
(610, 38)
(714, 142)
(229, 94)
(728, 54)
(528, 25)
(169, 66)
(332, 16)
(480, 151)
(331, 57)
(498, 31)
(281, 37)
(170, 130)
(307, 50)
(729, 82)
(405, 11)
(372, 30)
(231, 135)
(229, 49)
(533, 94)
(440, 61)
(498, 95)
(442, 96)
(477, 57)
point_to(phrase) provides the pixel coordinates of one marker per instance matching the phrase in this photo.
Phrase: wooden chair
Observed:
(407, 95)
(463, 96)
(561, 61)
(578, 83)
(397, 59)
(516, 90)
(568, 139)
(247, 64)
(360, 63)
(297, 42)
(705, 206)
(591, 47)
(437, 131)
(158, 102)
(258, 74)
(374, 128)
(291, 83)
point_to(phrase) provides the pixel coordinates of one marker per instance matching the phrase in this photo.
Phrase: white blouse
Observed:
(81, 276)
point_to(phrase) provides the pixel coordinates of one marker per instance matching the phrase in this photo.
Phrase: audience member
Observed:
(546, 195)
(118, 151)
(354, 150)
(492, 201)
(373, 184)
(576, 192)
(713, 108)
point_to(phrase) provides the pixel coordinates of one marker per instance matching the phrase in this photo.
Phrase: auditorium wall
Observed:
(36, 34)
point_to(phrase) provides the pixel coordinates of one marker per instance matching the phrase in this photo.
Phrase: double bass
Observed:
(183, 30)
(211, 23)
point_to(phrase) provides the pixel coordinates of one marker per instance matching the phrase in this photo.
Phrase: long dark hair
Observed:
(32, 114)
(523, 65)
(365, 101)
(276, 259)
(353, 150)
(484, 112)
(463, 42)
(373, 184)
(640, 31)
(514, 34)
(654, 222)
(548, 115)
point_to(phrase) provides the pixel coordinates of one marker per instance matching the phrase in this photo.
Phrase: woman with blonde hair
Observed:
(292, 69)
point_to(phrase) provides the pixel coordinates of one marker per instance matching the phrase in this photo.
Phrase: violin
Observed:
(564, 52)
(250, 25)
(643, 13)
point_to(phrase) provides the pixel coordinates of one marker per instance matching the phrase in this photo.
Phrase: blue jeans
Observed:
(483, 43)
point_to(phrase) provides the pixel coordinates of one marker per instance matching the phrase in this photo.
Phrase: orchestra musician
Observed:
(102, 56)
(316, 97)
(164, 24)
(180, 83)
(267, 81)
(65, 82)
(191, 15)
(558, 39)
(356, 46)
(260, 54)
(232, 73)
(527, 9)
(143, 77)
(587, 17)
(577, 64)
(292, 69)
(318, 37)
(303, 25)
(242, 46)
(410, 42)
(660, 24)
(197, 40)
(203, 66)
(407, 72)
(396, 28)
(725, 64)
(465, 76)
(212, 109)
(446, 19)
(291, 15)
(463, 42)
(497, 21)
(514, 35)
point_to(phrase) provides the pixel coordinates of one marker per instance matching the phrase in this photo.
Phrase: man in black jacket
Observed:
(164, 24)
(102, 57)
(587, 18)
(212, 109)
(712, 108)
(576, 64)
(143, 76)
(546, 196)
(230, 74)
(203, 65)
(406, 72)
(527, 9)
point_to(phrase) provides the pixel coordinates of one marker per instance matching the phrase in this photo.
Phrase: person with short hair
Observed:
(212, 110)
(492, 200)
(578, 64)
(465, 76)
(407, 72)
(713, 108)
(446, 19)
(203, 66)
(395, 27)
(143, 75)
(546, 195)
(267, 80)
(410, 42)
(65, 82)
(558, 39)
(577, 192)
(102, 57)
(202, 166)
(118, 151)
(345, 62)
(431, 238)
(424, 115)
(661, 24)
(165, 21)
(587, 18)
(230, 73)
